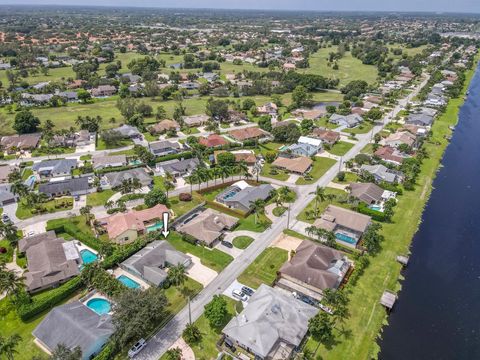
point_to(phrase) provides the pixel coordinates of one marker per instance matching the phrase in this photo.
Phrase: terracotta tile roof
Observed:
(248, 133)
(212, 140)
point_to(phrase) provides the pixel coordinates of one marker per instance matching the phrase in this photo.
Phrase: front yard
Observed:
(99, 198)
(25, 211)
(277, 174)
(319, 168)
(307, 213)
(264, 269)
(340, 148)
(248, 223)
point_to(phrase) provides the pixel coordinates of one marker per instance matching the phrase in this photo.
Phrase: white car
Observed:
(31, 233)
(239, 295)
(135, 349)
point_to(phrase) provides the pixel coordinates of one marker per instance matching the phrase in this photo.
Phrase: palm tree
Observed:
(258, 207)
(126, 186)
(109, 204)
(9, 232)
(85, 211)
(177, 275)
(243, 168)
(225, 172)
(216, 172)
(8, 345)
(14, 176)
(168, 185)
(136, 184)
(319, 197)
(19, 188)
(204, 175)
(10, 283)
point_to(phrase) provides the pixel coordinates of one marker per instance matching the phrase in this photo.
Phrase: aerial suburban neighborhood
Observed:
(196, 184)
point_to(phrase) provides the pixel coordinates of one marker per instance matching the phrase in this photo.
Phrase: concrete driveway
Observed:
(10, 210)
(199, 272)
(37, 228)
(234, 252)
(81, 202)
(235, 285)
(187, 352)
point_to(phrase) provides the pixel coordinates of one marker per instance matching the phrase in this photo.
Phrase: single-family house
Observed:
(115, 179)
(382, 173)
(6, 195)
(327, 136)
(268, 109)
(212, 140)
(164, 147)
(208, 226)
(312, 269)
(164, 126)
(369, 193)
(5, 171)
(390, 155)
(272, 325)
(347, 225)
(177, 167)
(349, 121)
(73, 187)
(401, 137)
(55, 167)
(103, 91)
(195, 120)
(129, 132)
(124, 228)
(241, 195)
(306, 146)
(245, 134)
(50, 260)
(420, 119)
(13, 143)
(312, 114)
(151, 262)
(104, 161)
(74, 325)
(298, 165)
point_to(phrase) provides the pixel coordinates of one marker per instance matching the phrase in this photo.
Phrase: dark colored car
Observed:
(227, 244)
(247, 291)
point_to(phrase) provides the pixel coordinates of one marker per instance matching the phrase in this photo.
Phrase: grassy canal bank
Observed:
(357, 337)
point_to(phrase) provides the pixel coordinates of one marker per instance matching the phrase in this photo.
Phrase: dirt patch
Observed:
(286, 242)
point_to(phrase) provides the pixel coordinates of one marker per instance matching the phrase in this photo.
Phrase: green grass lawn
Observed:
(99, 198)
(280, 175)
(350, 68)
(206, 348)
(61, 204)
(367, 316)
(27, 172)
(323, 122)
(101, 145)
(279, 211)
(8, 256)
(363, 128)
(320, 167)
(177, 296)
(248, 223)
(264, 269)
(182, 207)
(321, 206)
(213, 258)
(158, 182)
(368, 149)
(242, 242)
(340, 148)
(349, 178)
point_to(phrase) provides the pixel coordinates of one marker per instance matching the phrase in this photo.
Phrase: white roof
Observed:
(241, 184)
(71, 251)
(309, 141)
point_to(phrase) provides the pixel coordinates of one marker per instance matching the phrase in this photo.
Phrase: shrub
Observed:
(66, 226)
(185, 197)
(3, 250)
(375, 215)
(189, 238)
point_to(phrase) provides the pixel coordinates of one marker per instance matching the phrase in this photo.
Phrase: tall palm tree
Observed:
(319, 197)
(242, 168)
(109, 204)
(9, 232)
(177, 275)
(168, 185)
(8, 345)
(258, 208)
(19, 188)
(225, 172)
(216, 172)
(85, 211)
(10, 283)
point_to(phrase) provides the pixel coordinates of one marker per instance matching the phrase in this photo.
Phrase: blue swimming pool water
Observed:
(88, 257)
(157, 226)
(345, 238)
(125, 280)
(375, 207)
(99, 305)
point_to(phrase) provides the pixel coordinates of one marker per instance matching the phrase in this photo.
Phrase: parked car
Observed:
(237, 294)
(247, 291)
(227, 244)
(135, 349)
(5, 219)
(229, 344)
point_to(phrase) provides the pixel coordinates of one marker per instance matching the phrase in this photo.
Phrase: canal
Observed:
(437, 315)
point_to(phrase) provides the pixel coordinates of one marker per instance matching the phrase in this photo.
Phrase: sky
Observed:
(466, 6)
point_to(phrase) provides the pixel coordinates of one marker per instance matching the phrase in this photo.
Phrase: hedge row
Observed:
(224, 209)
(183, 155)
(117, 169)
(375, 215)
(66, 226)
(47, 300)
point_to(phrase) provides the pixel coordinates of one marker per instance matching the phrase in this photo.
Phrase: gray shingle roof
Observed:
(70, 185)
(272, 315)
(55, 166)
(248, 195)
(178, 166)
(115, 178)
(74, 324)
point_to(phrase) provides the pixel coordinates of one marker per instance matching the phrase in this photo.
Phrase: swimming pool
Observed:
(130, 283)
(31, 181)
(99, 305)
(345, 238)
(155, 227)
(88, 257)
(375, 207)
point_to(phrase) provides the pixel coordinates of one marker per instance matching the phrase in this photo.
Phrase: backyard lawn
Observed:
(368, 149)
(242, 242)
(349, 178)
(264, 269)
(340, 148)
(277, 175)
(363, 128)
(181, 207)
(213, 258)
(320, 167)
(61, 204)
(99, 198)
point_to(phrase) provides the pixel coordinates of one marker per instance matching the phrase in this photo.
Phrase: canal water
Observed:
(437, 315)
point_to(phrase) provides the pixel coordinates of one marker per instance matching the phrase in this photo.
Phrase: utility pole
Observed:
(189, 312)
(288, 216)
(340, 164)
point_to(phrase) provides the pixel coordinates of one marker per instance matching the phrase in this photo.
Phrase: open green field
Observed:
(264, 269)
(350, 68)
(248, 223)
(340, 148)
(367, 316)
(99, 198)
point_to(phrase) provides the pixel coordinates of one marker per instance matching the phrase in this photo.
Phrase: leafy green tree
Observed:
(154, 197)
(25, 122)
(286, 134)
(225, 159)
(192, 334)
(177, 275)
(371, 239)
(321, 327)
(217, 109)
(8, 346)
(301, 96)
(62, 352)
(173, 354)
(265, 123)
(216, 311)
(84, 96)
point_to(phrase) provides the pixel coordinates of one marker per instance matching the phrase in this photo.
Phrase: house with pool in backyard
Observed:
(347, 225)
